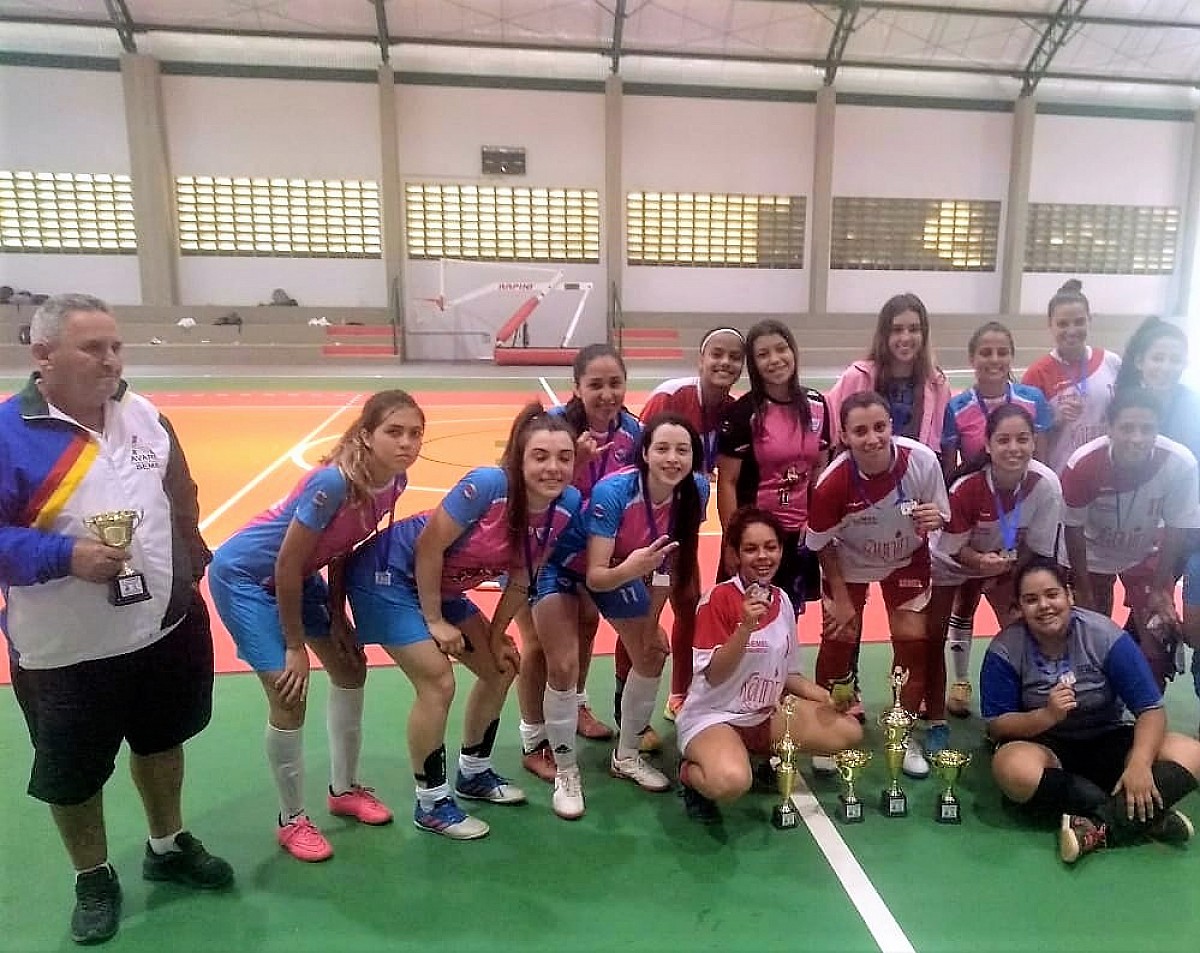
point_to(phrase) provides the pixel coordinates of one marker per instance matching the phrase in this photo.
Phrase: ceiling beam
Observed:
(118, 15)
(381, 31)
(1054, 37)
(619, 17)
(847, 14)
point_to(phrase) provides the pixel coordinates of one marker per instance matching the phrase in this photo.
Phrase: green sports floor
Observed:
(633, 874)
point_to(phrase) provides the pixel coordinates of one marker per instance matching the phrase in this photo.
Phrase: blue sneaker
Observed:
(488, 786)
(448, 819)
(937, 738)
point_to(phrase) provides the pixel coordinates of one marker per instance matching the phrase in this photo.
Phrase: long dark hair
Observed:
(994, 420)
(1147, 334)
(685, 502)
(574, 412)
(797, 393)
(923, 368)
(530, 419)
(1129, 398)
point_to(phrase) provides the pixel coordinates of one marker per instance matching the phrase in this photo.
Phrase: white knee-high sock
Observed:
(343, 721)
(560, 709)
(531, 735)
(637, 706)
(285, 755)
(958, 637)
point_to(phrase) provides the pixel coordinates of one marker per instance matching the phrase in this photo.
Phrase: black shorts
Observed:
(799, 573)
(155, 698)
(1100, 759)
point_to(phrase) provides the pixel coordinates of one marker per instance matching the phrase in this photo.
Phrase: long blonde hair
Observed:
(351, 454)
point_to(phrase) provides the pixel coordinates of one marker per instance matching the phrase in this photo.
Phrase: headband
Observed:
(715, 331)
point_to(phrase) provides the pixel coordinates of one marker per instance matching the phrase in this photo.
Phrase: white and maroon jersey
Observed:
(866, 516)
(777, 454)
(753, 691)
(1122, 512)
(681, 395)
(981, 516)
(1091, 380)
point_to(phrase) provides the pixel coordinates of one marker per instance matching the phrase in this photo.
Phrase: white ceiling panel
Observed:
(277, 16)
(735, 27)
(1120, 51)
(537, 22)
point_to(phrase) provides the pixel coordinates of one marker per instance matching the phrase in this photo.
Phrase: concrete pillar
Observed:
(153, 185)
(391, 197)
(1189, 234)
(1016, 210)
(821, 203)
(614, 195)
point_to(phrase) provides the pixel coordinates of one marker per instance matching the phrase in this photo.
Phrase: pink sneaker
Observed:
(302, 840)
(361, 804)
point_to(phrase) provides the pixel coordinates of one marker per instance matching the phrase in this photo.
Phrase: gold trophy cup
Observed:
(948, 765)
(897, 725)
(115, 528)
(785, 815)
(849, 763)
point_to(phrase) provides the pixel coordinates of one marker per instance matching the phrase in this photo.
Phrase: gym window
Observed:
(884, 234)
(88, 213)
(708, 230)
(278, 218)
(502, 223)
(1102, 239)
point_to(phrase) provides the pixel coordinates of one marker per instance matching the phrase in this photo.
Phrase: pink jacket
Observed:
(860, 376)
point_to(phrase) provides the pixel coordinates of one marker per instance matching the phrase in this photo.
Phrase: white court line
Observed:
(279, 461)
(549, 391)
(889, 937)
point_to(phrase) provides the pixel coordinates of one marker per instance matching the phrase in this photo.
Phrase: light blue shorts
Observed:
(250, 612)
(391, 615)
(630, 601)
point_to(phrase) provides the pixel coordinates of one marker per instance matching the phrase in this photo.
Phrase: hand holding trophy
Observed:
(897, 725)
(785, 815)
(115, 528)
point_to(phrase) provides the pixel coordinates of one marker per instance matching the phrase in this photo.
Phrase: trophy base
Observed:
(785, 817)
(125, 590)
(850, 810)
(947, 812)
(893, 803)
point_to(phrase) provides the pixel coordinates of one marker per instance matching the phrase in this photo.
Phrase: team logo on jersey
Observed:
(320, 498)
(469, 491)
(142, 456)
(598, 511)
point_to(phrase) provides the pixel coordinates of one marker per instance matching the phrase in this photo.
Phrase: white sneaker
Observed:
(638, 770)
(915, 765)
(567, 799)
(824, 766)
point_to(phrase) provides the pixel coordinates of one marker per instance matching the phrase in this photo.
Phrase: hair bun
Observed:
(1072, 285)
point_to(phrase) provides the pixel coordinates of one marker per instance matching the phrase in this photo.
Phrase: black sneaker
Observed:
(191, 865)
(698, 807)
(1171, 827)
(97, 906)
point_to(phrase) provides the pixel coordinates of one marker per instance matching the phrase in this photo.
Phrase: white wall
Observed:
(919, 153)
(275, 128)
(672, 144)
(442, 131)
(86, 134)
(1086, 160)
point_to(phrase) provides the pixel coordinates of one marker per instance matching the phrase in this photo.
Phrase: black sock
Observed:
(618, 694)
(484, 748)
(433, 771)
(1059, 793)
(1173, 782)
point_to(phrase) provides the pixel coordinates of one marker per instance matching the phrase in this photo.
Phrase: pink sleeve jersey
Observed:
(751, 693)
(1122, 513)
(865, 515)
(618, 511)
(1091, 381)
(1033, 510)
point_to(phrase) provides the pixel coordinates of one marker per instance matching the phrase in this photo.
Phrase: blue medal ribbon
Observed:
(652, 521)
(1009, 528)
(596, 469)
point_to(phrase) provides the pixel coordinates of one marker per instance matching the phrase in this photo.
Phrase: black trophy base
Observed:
(947, 812)
(785, 816)
(850, 811)
(125, 590)
(893, 803)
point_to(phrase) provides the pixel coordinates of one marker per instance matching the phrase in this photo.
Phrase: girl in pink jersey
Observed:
(1131, 501)
(1077, 380)
(266, 586)
(703, 401)
(746, 660)
(902, 370)
(876, 504)
(1004, 508)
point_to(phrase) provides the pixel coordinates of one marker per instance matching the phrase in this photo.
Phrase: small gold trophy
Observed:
(115, 528)
(948, 765)
(849, 763)
(897, 724)
(841, 690)
(785, 815)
